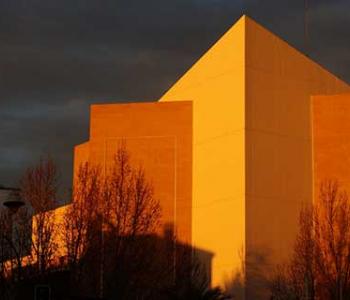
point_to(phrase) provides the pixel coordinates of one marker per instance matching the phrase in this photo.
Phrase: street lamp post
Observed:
(13, 202)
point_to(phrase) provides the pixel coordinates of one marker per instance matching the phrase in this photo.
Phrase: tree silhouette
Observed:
(38, 187)
(106, 224)
(107, 240)
(320, 265)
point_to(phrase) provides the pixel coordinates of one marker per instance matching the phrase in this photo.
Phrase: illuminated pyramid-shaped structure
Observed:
(229, 148)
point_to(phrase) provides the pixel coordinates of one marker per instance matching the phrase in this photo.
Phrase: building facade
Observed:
(234, 149)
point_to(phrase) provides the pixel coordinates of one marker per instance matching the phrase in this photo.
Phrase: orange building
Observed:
(331, 140)
(234, 148)
(158, 137)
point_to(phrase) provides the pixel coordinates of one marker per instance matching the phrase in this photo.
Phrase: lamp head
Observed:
(13, 201)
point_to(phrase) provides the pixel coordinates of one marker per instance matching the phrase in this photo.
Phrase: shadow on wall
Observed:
(146, 266)
(235, 286)
(258, 264)
(251, 281)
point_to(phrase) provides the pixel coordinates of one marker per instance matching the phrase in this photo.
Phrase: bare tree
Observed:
(5, 284)
(302, 269)
(14, 249)
(106, 224)
(320, 265)
(332, 242)
(39, 186)
(79, 229)
(19, 242)
(109, 234)
(129, 204)
(130, 212)
(296, 279)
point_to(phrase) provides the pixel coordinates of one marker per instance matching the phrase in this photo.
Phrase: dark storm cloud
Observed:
(328, 23)
(45, 129)
(330, 37)
(59, 56)
(89, 49)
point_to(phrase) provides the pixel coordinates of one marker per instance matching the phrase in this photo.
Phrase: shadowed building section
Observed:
(279, 84)
(331, 140)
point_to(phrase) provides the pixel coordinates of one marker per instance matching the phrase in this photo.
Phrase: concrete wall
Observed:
(81, 156)
(215, 84)
(279, 83)
(158, 137)
(252, 165)
(331, 140)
